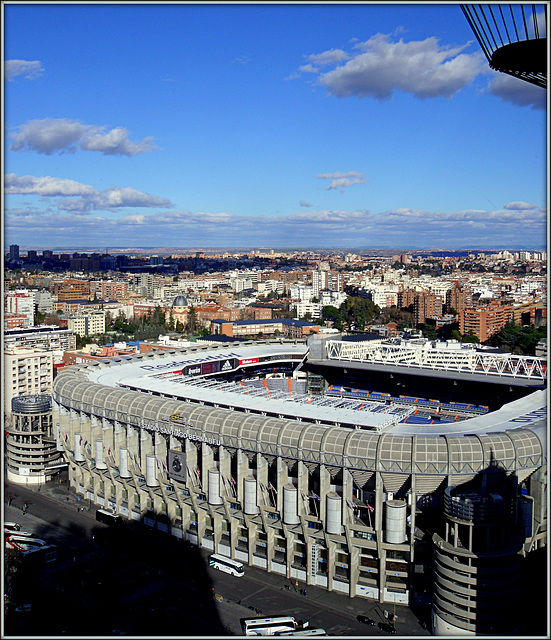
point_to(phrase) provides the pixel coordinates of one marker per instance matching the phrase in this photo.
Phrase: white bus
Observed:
(228, 565)
(14, 529)
(314, 631)
(269, 626)
(24, 543)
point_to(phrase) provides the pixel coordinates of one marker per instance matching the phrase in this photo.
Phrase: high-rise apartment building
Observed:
(107, 289)
(485, 321)
(458, 298)
(46, 337)
(87, 323)
(426, 305)
(21, 303)
(72, 290)
(14, 252)
(26, 372)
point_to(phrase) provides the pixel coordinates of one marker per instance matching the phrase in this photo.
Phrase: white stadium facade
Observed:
(228, 447)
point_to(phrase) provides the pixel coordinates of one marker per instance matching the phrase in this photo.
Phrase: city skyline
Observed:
(317, 126)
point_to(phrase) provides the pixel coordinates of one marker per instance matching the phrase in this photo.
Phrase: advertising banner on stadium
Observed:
(177, 465)
(210, 367)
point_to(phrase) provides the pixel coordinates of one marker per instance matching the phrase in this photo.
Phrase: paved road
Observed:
(149, 572)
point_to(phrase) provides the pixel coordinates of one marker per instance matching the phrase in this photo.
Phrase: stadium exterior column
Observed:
(108, 437)
(191, 460)
(382, 574)
(269, 547)
(146, 448)
(242, 473)
(133, 442)
(261, 479)
(347, 485)
(119, 440)
(216, 528)
(413, 508)
(224, 466)
(234, 534)
(379, 489)
(160, 450)
(61, 415)
(331, 554)
(325, 488)
(354, 568)
(206, 463)
(119, 496)
(302, 488)
(252, 541)
(74, 417)
(201, 523)
(282, 480)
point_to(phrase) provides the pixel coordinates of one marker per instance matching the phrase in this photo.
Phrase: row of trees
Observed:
(120, 329)
(354, 313)
(518, 340)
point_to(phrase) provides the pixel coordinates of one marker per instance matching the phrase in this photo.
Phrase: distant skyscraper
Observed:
(14, 252)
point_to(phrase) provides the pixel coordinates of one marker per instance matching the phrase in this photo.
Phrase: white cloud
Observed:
(518, 92)
(333, 56)
(423, 68)
(404, 227)
(128, 197)
(46, 186)
(342, 180)
(303, 203)
(308, 68)
(519, 206)
(116, 142)
(48, 135)
(66, 136)
(81, 198)
(29, 69)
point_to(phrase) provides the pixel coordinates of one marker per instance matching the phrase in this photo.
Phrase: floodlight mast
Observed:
(513, 38)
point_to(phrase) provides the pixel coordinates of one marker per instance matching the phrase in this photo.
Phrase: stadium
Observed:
(266, 452)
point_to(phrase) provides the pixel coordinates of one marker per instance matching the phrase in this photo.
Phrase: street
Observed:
(144, 582)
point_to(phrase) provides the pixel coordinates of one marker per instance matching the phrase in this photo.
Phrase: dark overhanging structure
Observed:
(513, 38)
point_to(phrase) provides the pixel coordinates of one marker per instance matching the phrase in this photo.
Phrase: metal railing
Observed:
(457, 360)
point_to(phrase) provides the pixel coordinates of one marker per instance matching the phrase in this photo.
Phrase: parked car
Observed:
(365, 620)
(384, 626)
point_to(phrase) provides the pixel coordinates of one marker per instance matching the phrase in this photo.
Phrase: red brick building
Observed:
(485, 321)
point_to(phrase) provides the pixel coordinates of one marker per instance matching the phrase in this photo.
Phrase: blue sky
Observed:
(265, 125)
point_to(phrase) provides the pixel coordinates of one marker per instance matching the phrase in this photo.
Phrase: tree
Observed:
(191, 325)
(471, 337)
(331, 313)
(358, 311)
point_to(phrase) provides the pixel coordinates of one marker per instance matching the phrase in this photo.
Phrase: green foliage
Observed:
(191, 325)
(331, 313)
(429, 332)
(471, 337)
(358, 311)
(521, 340)
(81, 341)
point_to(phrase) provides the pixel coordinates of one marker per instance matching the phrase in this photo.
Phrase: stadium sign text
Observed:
(176, 432)
(179, 363)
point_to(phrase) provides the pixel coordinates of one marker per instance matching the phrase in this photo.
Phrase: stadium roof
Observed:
(164, 374)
